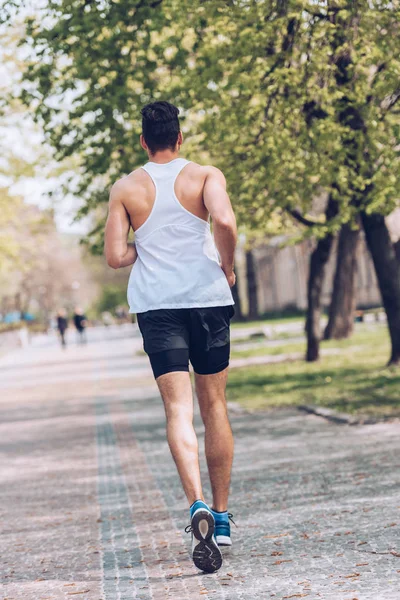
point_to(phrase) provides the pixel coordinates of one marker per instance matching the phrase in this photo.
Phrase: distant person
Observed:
(62, 325)
(180, 289)
(121, 313)
(80, 323)
(107, 318)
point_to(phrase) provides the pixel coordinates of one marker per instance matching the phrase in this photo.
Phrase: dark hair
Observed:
(160, 125)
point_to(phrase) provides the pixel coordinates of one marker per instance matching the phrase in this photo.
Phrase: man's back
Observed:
(178, 264)
(139, 192)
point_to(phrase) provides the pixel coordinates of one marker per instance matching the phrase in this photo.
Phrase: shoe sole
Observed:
(223, 540)
(206, 555)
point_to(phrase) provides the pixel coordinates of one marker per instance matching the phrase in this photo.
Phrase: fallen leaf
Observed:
(76, 593)
(351, 575)
(362, 564)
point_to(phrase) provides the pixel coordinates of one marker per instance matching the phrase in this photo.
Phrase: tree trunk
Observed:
(251, 285)
(387, 269)
(318, 260)
(343, 302)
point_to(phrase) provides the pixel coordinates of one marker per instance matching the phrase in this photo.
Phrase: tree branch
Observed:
(389, 102)
(303, 220)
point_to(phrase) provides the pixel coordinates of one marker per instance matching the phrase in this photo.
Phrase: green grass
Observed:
(355, 381)
(282, 335)
(262, 350)
(269, 321)
(365, 335)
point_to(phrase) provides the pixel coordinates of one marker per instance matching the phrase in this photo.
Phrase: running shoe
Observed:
(223, 527)
(205, 552)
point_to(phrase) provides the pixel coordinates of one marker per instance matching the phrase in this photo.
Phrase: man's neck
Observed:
(164, 156)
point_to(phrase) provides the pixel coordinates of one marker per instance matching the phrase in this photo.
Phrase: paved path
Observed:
(91, 507)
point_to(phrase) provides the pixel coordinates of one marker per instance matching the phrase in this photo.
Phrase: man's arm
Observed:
(219, 206)
(117, 250)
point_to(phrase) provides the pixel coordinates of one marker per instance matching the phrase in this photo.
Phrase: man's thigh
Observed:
(209, 348)
(165, 340)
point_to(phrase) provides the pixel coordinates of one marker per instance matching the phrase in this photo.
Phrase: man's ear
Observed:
(143, 143)
(180, 139)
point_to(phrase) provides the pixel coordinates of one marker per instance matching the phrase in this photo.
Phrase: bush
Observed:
(111, 297)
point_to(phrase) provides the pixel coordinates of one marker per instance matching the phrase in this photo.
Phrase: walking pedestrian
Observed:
(180, 289)
(80, 323)
(62, 325)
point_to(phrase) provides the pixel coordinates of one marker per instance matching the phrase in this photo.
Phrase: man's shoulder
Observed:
(136, 177)
(129, 184)
(204, 170)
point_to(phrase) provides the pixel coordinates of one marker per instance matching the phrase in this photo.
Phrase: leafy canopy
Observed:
(292, 99)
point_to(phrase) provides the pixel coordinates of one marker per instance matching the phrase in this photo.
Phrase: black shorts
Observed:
(173, 336)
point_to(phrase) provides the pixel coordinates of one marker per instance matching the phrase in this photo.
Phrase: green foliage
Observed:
(111, 297)
(300, 98)
(291, 99)
(92, 66)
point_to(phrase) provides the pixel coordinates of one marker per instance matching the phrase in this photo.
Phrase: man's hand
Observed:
(230, 275)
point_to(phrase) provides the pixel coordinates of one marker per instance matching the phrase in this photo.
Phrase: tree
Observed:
(343, 303)
(318, 260)
(45, 270)
(290, 99)
(111, 297)
(91, 68)
(252, 285)
(302, 98)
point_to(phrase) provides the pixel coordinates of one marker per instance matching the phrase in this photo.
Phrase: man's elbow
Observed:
(225, 221)
(113, 261)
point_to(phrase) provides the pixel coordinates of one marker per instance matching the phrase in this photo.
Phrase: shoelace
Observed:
(230, 517)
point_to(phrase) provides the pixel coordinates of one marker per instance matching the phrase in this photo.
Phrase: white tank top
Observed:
(177, 264)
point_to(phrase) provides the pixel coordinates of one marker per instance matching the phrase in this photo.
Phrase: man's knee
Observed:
(176, 411)
(214, 410)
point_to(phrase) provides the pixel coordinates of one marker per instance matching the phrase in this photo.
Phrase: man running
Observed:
(180, 289)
